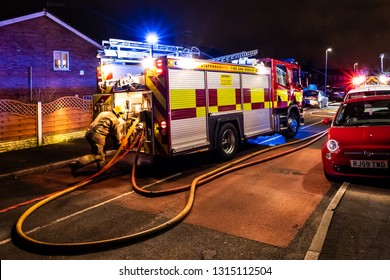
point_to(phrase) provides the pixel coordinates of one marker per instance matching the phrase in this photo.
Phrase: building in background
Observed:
(47, 81)
(43, 58)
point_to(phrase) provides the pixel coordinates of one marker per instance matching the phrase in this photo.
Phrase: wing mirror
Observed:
(327, 121)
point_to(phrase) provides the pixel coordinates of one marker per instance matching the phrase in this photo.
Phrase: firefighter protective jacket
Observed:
(106, 123)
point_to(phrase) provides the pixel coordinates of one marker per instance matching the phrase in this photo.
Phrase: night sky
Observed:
(358, 31)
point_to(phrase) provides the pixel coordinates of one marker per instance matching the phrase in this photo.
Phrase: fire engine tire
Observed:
(292, 126)
(227, 141)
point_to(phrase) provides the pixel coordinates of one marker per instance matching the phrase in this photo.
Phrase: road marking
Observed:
(279, 136)
(306, 126)
(2, 242)
(319, 238)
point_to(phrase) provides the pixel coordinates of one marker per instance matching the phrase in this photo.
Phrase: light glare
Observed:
(332, 145)
(152, 38)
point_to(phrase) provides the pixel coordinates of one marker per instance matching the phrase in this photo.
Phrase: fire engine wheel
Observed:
(292, 126)
(227, 141)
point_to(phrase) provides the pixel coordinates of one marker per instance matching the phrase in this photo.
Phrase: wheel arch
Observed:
(235, 120)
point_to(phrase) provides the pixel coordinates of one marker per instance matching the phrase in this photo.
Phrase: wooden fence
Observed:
(25, 125)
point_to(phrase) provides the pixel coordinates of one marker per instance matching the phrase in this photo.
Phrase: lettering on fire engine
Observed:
(226, 80)
(222, 67)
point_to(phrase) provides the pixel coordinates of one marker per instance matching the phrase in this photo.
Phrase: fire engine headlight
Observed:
(332, 145)
(383, 79)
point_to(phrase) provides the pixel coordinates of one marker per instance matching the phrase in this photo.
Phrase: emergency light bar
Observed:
(370, 80)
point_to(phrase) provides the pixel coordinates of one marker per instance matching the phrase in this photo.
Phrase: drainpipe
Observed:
(39, 123)
(30, 82)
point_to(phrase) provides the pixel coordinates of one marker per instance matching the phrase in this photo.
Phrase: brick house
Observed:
(42, 59)
(48, 75)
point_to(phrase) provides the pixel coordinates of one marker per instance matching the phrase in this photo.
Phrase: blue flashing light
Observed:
(152, 38)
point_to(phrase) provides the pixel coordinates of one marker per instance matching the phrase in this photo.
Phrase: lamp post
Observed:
(355, 67)
(382, 55)
(326, 67)
(151, 39)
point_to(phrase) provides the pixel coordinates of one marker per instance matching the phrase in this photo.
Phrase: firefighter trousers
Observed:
(98, 151)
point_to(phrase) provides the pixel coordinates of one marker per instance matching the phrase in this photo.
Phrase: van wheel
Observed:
(292, 126)
(227, 141)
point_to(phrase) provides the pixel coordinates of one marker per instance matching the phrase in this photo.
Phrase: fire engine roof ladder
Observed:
(133, 51)
(235, 56)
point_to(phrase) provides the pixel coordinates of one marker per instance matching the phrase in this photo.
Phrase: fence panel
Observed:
(64, 116)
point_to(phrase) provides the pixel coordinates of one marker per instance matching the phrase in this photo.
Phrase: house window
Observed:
(60, 60)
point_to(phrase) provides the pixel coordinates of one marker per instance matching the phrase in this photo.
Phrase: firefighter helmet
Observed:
(118, 110)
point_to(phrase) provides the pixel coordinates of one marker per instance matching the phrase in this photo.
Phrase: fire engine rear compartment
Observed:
(199, 102)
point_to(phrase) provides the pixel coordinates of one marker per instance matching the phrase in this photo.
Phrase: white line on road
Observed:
(319, 238)
(90, 208)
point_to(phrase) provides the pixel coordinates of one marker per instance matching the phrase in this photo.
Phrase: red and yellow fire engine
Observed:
(186, 105)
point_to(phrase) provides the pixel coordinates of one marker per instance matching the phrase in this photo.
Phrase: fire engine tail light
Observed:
(163, 128)
(159, 65)
(383, 79)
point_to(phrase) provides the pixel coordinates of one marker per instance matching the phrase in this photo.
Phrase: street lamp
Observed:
(151, 38)
(355, 67)
(382, 55)
(326, 67)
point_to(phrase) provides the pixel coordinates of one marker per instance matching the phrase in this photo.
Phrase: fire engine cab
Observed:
(185, 104)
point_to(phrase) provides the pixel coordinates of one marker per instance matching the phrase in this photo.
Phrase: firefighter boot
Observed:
(74, 165)
(100, 164)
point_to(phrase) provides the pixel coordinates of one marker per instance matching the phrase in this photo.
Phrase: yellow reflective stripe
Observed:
(200, 112)
(183, 98)
(257, 95)
(213, 109)
(226, 96)
(156, 92)
(247, 106)
(282, 94)
(298, 96)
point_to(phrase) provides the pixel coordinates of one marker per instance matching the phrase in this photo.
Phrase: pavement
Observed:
(21, 162)
(345, 232)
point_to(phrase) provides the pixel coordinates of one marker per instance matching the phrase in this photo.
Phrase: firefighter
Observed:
(106, 124)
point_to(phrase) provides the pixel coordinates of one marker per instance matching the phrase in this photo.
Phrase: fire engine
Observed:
(185, 104)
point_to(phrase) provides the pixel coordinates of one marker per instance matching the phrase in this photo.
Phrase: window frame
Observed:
(63, 58)
(281, 75)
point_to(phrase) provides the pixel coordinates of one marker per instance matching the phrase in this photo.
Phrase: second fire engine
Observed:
(185, 104)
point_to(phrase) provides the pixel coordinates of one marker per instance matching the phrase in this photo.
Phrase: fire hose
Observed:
(78, 247)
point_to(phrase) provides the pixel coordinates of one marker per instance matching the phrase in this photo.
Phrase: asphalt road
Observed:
(268, 211)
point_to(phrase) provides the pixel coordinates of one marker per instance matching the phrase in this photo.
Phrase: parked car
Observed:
(336, 94)
(368, 90)
(316, 98)
(358, 140)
